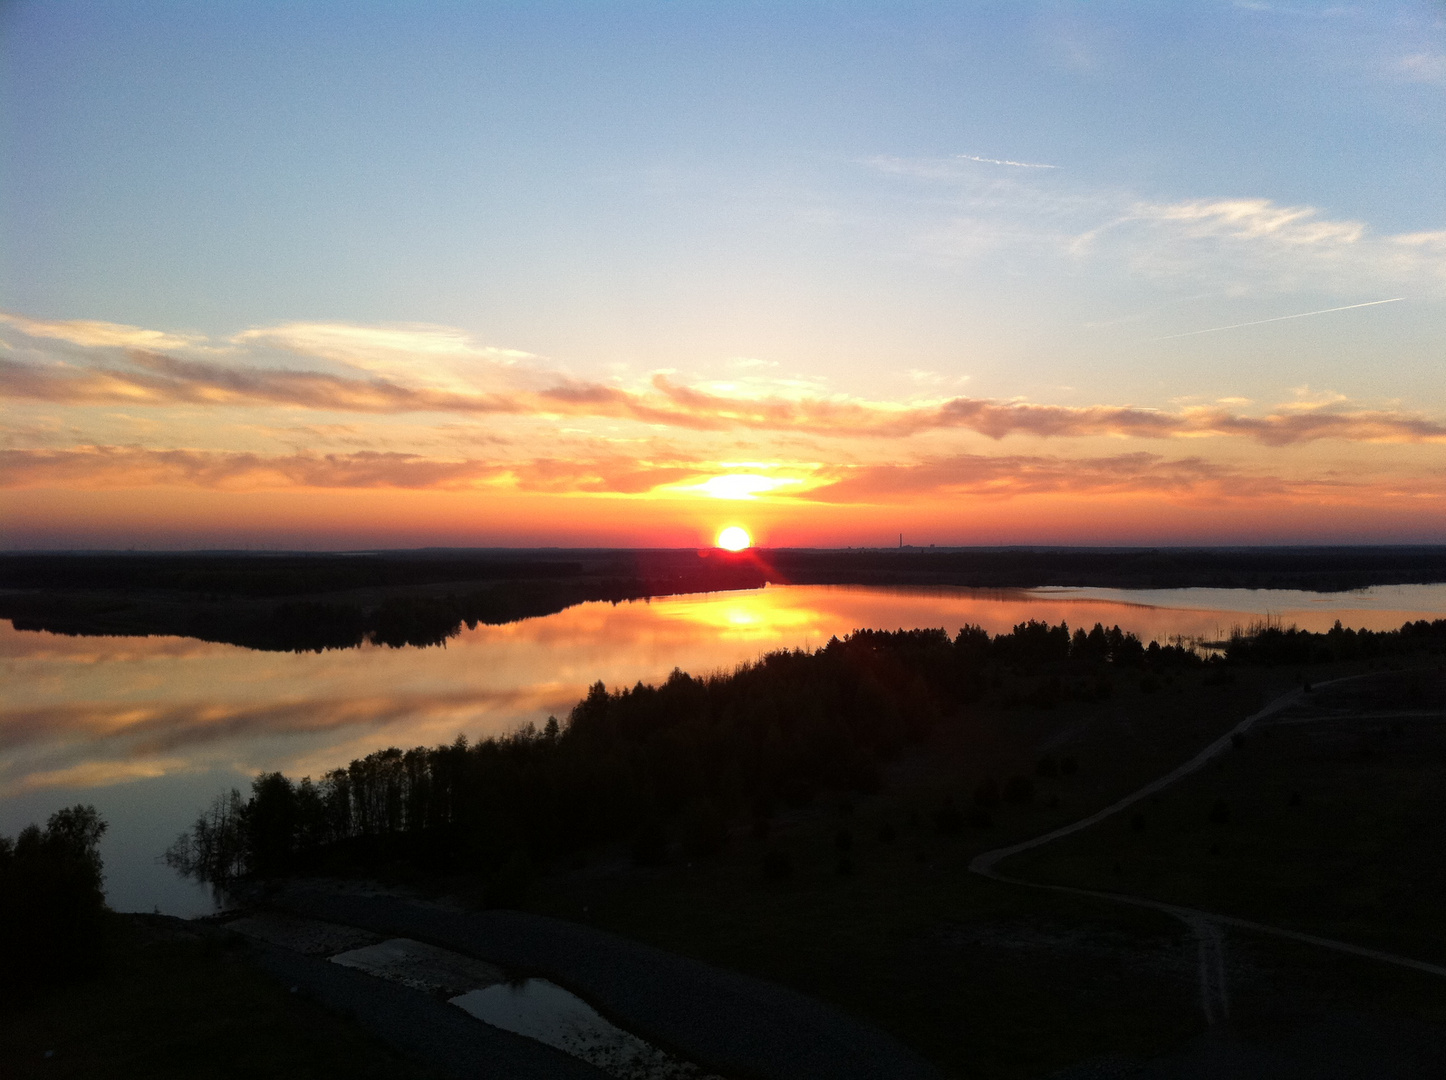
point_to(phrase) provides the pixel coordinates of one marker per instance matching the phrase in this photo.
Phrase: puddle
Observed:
(546, 1012)
(421, 967)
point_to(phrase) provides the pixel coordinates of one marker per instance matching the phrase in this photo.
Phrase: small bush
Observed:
(1048, 767)
(1068, 766)
(1220, 813)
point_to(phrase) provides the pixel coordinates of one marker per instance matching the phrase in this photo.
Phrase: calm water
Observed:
(149, 729)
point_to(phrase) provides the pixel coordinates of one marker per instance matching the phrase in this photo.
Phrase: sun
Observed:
(734, 538)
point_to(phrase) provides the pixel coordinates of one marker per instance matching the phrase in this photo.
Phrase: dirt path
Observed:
(1207, 926)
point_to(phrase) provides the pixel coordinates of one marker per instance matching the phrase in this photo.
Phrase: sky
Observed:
(357, 275)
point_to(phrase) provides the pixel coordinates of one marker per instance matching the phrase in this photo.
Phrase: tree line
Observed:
(52, 902)
(658, 767)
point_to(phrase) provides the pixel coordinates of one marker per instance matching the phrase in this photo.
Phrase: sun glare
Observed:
(734, 538)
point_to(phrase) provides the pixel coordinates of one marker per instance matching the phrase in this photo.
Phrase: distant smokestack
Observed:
(901, 541)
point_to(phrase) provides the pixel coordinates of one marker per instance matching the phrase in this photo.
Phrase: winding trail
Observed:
(1207, 926)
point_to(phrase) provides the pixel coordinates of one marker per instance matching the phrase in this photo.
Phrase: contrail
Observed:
(1279, 318)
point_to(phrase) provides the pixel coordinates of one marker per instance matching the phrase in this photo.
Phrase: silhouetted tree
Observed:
(52, 902)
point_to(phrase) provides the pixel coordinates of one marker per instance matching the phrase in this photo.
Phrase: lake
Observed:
(150, 729)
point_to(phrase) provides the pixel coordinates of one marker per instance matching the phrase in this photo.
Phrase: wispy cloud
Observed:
(92, 334)
(1425, 67)
(1187, 480)
(1251, 219)
(146, 378)
(980, 476)
(1004, 161)
(1010, 476)
(1252, 242)
(1230, 243)
(435, 357)
(136, 467)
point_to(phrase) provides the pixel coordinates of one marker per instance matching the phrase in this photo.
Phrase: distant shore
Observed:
(305, 601)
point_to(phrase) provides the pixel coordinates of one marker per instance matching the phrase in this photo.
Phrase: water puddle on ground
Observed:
(546, 1012)
(534, 1008)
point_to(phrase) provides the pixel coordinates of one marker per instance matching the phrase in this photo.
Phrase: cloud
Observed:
(1231, 243)
(1424, 68)
(153, 378)
(999, 161)
(438, 357)
(136, 467)
(157, 379)
(1190, 479)
(148, 378)
(1008, 476)
(1252, 219)
(932, 480)
(1254, 242)
(92, 334)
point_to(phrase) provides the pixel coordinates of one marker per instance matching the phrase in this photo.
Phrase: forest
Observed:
(673, 769)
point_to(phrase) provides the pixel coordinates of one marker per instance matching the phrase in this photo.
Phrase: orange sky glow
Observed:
(976, 274)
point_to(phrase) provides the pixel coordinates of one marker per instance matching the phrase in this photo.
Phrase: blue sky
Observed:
(882, 203)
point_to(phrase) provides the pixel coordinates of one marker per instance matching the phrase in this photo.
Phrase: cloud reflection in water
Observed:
(83, 712)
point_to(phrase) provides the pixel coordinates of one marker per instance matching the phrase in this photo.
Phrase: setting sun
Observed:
(734, 538)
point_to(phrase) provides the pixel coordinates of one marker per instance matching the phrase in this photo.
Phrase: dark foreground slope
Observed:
(811, 820)
(301, 601)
